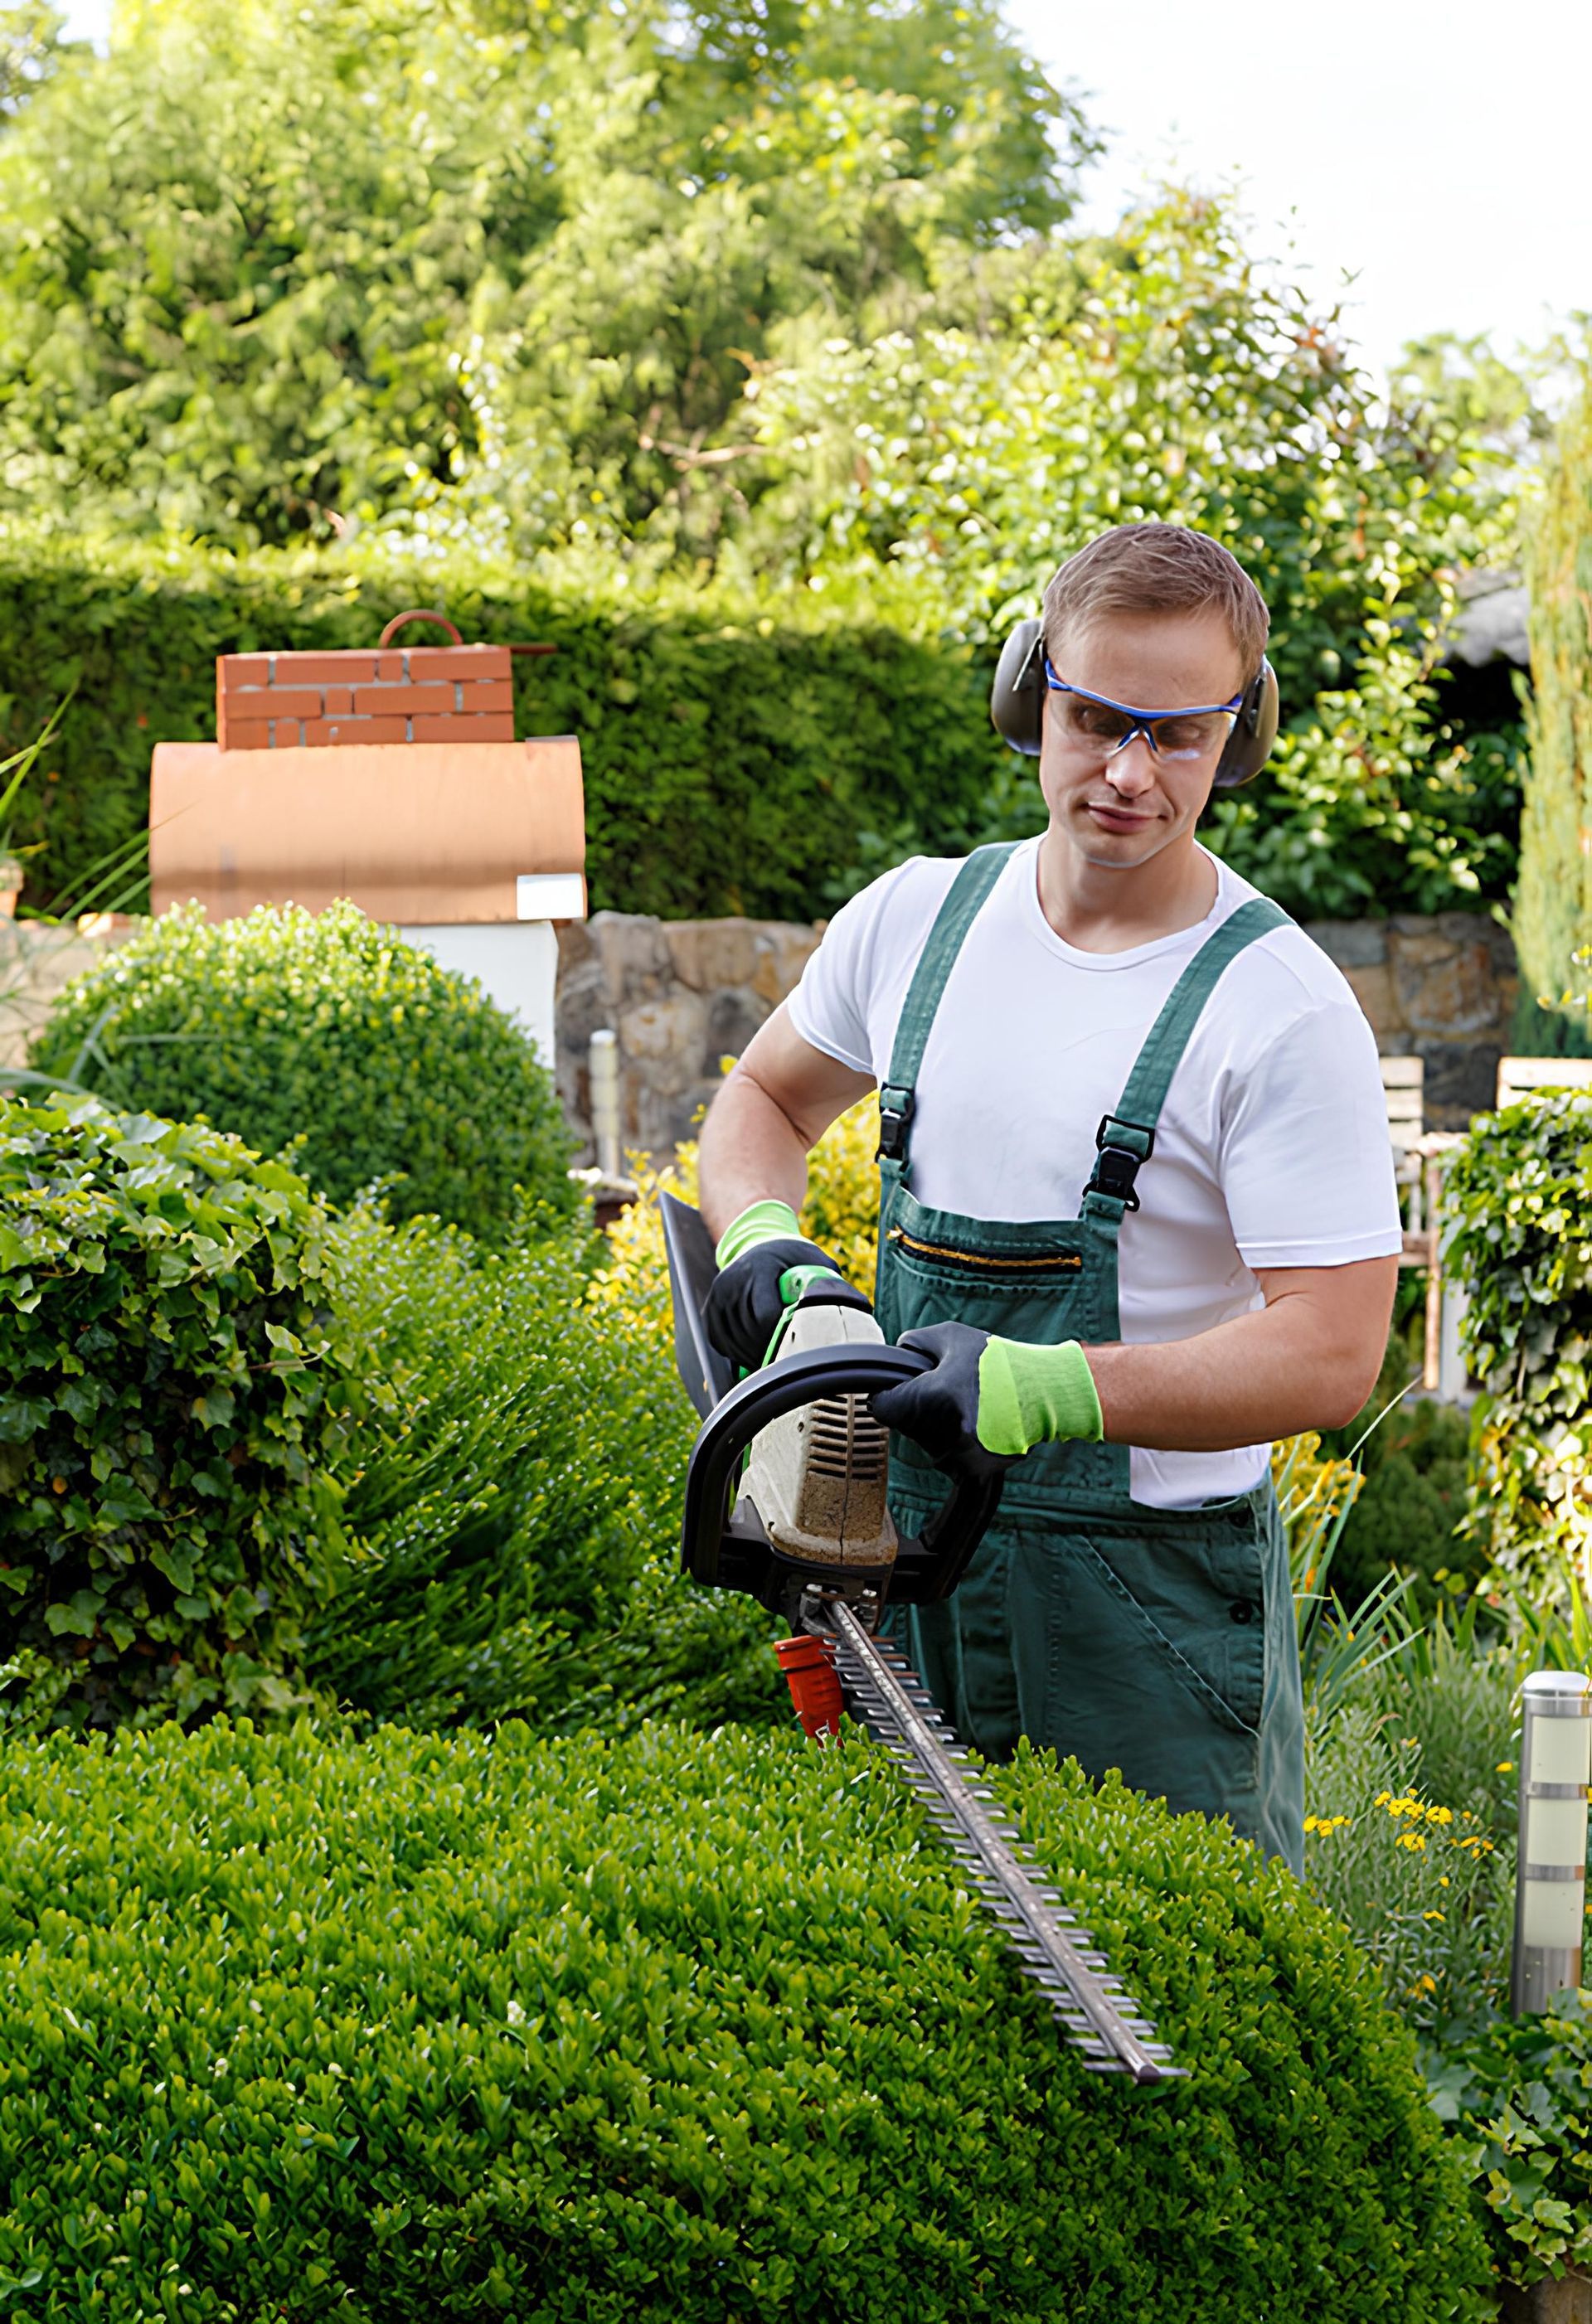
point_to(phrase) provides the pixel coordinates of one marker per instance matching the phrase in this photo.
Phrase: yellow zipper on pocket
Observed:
(1068, 1259)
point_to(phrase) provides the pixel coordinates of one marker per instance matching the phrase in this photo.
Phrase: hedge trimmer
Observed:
(785, 1499)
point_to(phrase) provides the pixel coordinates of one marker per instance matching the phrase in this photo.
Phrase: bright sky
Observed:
(1435, 150)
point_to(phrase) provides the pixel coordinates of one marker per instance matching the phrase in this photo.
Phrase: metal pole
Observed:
(1550, 1880)
(602, 1067)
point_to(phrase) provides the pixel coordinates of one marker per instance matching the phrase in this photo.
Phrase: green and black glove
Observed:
(990, 1400)
(765, 1264)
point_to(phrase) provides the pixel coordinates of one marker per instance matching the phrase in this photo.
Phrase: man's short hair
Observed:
(1157, 568)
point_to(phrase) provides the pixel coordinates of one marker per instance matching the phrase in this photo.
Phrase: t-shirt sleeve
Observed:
(1307, 1163)
(830, 1006)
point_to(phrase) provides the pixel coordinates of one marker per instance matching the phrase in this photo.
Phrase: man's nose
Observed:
(1132, 768)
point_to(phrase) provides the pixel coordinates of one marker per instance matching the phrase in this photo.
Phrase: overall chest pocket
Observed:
(935, 1273)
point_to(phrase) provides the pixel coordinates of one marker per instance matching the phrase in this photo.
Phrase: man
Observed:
(1138, 1203)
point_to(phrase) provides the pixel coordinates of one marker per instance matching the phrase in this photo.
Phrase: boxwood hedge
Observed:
(325, 1032)
(684, 2027)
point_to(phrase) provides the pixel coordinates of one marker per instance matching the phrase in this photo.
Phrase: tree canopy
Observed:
(768, 312)
(252, 264)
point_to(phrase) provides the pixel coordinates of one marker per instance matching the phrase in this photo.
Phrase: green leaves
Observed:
(169, 1270)
(688, 2030)
(413, 1076)
(1521, 2089)
(1519, 1197)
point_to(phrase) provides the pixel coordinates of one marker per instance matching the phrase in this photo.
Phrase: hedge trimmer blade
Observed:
(885, 1693)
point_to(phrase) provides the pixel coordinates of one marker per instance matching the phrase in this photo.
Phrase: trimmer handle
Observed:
(712, 1550)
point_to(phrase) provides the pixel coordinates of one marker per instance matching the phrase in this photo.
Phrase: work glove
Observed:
(989, 1400)
(746, 1304)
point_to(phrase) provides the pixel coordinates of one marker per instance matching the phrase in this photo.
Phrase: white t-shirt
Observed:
(1272, 1149)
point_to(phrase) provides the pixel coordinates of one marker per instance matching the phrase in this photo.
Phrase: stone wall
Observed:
(682, 995)
(1441, 988)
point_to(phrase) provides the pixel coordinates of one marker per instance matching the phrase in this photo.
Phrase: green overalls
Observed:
(1157, 1641)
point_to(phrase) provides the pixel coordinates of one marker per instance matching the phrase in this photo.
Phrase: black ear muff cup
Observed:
(1017, 707)
(1016, 698)
(1254, 730)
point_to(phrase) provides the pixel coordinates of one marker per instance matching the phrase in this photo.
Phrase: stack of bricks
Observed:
(424, 693)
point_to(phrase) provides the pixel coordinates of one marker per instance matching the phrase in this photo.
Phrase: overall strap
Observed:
(1127, 1138)
(897, 1096)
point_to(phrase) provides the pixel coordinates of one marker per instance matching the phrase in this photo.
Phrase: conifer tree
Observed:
(1553, 901)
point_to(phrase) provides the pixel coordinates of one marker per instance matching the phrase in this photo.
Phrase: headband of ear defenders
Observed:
(1017, 707)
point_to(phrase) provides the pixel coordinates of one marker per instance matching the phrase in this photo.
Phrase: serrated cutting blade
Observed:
(885, 1695)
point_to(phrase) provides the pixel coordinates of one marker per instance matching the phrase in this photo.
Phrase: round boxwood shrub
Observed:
(679, 2030)
(170, 1408)
(327, 1030)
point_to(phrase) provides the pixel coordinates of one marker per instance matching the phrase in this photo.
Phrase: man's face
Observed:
(1121, 811)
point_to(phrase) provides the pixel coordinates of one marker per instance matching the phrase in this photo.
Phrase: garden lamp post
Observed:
(1550, 1880)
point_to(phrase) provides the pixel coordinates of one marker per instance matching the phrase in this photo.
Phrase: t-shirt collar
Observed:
(1026, 868)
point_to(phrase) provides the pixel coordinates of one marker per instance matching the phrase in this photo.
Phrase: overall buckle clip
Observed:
(897, 1106)
(1118, 1163)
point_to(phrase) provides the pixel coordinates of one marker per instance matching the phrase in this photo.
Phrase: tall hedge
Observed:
(1554, 901)
(728, 768)
(686, 2030)
(1519, 1243)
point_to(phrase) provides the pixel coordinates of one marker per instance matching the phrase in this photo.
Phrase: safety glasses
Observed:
(1095, 726)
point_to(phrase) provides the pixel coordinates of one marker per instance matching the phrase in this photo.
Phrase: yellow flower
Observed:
(1434, 1916)
(1439, 1815)
(1411, 1840)
(1424, 1984)
(1505, 1767)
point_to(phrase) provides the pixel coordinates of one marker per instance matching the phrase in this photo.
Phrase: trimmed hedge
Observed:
(739, 769)
(1519, 1243)
(172, 1405)
(684, 2028)
(327, 1035)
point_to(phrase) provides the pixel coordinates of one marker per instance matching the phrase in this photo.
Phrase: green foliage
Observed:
(517, 1502)
(1519, 1193)
(257, 265)
(173, 1408)
(1407, 1512)
(1420, 1880)
(32, 52)
(728, 767)
(1521, 2089)
(687, 2027)
(747, 356)
(327, 1033)
(1552, 918)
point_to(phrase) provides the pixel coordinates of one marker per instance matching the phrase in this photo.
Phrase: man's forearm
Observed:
(1298, 1363)
(750, 1150)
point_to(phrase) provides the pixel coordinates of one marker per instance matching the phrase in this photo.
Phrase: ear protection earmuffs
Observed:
(1017, 709)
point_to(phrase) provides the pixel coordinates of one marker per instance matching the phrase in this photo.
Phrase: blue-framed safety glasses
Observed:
(1096, 724)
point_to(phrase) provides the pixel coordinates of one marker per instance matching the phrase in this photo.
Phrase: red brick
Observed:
(233, 671)
(369, 730)
(494, 694)
(407, 701)
(490, 726)
(246, 734)
(458, 661)
(339, 701)
(286, 734)
(390, 668)
(288, 702)
(324, 669)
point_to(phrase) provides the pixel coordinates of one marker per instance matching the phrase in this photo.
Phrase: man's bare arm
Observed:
(1308, 1359)
(771, 1111)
